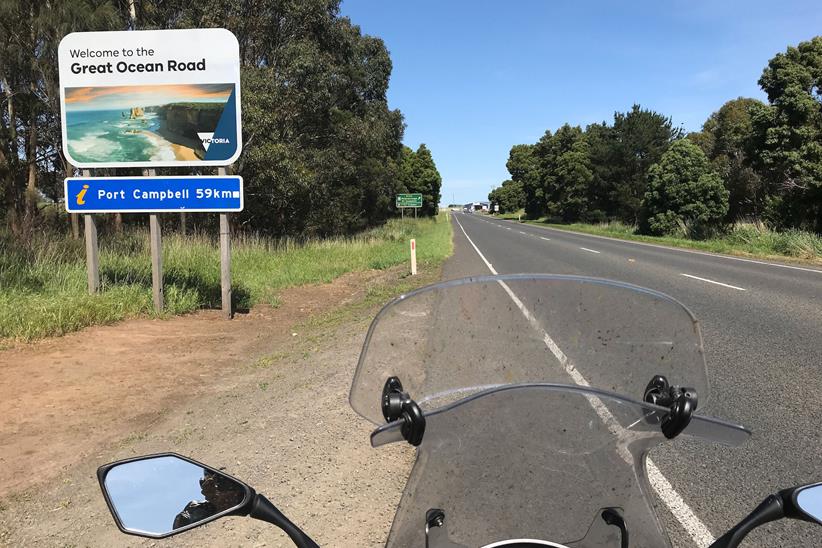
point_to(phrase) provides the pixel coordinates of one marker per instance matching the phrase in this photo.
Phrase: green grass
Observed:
(43, 283)
(744, 239)
(511, 216)
(378, 293)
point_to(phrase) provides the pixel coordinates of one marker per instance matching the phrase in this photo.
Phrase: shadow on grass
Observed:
(208, 290)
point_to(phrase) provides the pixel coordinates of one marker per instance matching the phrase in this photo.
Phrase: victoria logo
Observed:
(208, 139)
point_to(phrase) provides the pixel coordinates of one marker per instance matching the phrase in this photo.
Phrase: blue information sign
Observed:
(153, 194)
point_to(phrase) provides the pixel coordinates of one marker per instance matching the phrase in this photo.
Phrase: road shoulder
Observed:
(264, 396)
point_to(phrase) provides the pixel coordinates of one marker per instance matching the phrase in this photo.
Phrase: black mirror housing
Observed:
(803, 502)
(239, 504)
(788, 503)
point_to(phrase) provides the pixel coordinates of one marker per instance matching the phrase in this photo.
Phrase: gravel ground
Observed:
(283, 425)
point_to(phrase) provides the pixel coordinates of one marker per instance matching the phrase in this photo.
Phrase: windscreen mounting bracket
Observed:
(614, 516)
(680, 401)
(398, 405)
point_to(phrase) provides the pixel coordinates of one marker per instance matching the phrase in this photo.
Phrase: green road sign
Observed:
(409, 200)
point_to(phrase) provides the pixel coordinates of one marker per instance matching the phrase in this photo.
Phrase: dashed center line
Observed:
(544, 238)
(590, 250)
(521, 232)
(713, 282)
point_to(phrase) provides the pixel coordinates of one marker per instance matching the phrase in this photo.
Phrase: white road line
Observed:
(698, 531)
(544, 238)
(681, 250)
(591, 250)
(481, 256)
(712, 281)
(521, 232)
(692, 524)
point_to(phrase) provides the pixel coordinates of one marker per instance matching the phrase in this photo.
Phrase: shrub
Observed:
(684, 194)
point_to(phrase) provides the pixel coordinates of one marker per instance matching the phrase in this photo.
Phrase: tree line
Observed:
(323, 151)
(751, 160)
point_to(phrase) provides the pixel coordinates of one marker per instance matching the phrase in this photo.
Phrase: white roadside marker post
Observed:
(413, 257)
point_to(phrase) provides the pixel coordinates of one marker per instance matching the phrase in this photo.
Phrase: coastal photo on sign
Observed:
(145, 123)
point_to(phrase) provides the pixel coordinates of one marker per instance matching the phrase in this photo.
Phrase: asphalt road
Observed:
(762, 330)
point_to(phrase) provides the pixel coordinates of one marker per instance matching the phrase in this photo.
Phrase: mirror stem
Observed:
(771, 509)
(262, 509)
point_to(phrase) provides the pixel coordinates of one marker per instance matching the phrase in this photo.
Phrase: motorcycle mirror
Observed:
(157, 496)
(808, 500)
(803, 502)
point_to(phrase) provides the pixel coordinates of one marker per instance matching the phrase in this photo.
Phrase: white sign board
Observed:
(154, 98)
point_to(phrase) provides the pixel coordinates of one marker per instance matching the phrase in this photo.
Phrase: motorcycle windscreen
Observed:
(449, 340)
(538, 462)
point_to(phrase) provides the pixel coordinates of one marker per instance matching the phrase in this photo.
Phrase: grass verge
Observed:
(43, 285)
(317, 329)
(743, 239)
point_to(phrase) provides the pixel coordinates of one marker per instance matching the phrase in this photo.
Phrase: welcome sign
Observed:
(157, 98)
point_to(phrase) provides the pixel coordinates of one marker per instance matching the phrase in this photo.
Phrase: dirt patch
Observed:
(285, 428)
(64, 399)
(268, 406)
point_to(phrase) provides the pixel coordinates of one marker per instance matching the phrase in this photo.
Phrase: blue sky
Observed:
(473, 78)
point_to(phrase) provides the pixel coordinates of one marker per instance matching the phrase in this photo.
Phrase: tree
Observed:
(564, 172)
(728, 139)
(418, 174)
(322, 148)
(703, 139)
(31, 162)
(791, 132)
(600, 139)
(522, 165)
(509, 196)
(640, 137)
(768, 156)
(683, 193)
(573, 177)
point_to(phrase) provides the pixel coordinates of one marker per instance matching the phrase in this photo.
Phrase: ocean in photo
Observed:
(113, 136)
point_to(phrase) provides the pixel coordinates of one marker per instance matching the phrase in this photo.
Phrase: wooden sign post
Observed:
(155, 239)
(225, 260)
(92, 250)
